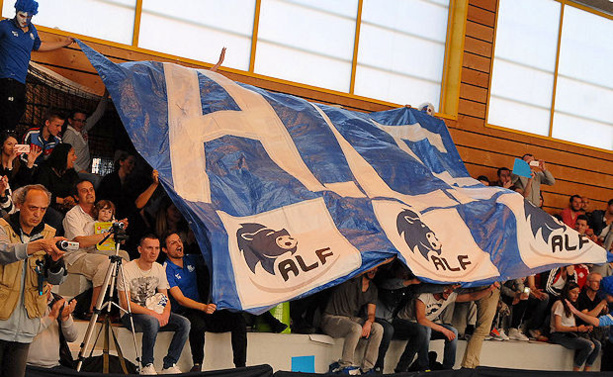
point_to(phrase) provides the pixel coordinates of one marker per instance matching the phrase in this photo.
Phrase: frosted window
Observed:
(585, 84)
(524, 65)
(583, 131)
(310, 42)
(111, 20)
(199, 29)
(402, 50)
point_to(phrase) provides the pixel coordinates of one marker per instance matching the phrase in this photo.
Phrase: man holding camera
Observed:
(79, 227)
(531, 187)
(29, 258)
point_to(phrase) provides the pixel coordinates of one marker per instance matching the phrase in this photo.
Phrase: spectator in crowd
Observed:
(486, 310)
(538, 308)
(168, 219)
(25, 242)
(591, 302)
(564, 330)
(57, 174)
(582, 227)
(44, 139)
(515, 294)
(146, 287)
(18, 38)
(427, 108)
(419, 325)
(601, 221)
(57, 328)
(531, 187)
(130, 194)
(79, 227)
(184, 273)
(504, 178)
(6, 199)
(484, 180)
(569, 215)
(393, 294)
(18, 173)
(342, 319)
(76, 135)
(585, 206)
(558, 278)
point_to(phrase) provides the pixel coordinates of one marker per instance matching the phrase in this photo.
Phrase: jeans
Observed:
(587, 350)
(350, 328)
(418, 343)
(388, 334)
(419, 337)
(150, 327)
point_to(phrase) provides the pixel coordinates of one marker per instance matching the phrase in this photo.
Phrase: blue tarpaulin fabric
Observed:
(287, 197)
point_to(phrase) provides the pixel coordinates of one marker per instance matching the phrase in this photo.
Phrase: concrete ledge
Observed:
(278, 349)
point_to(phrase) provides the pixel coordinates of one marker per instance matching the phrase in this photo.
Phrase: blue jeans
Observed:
(419, 337)
(150, 327)
(388, 334)
(587, 350)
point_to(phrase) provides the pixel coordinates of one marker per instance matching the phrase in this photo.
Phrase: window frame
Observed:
(450, 79)
(563, 4)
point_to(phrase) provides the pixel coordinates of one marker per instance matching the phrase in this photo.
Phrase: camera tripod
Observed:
(102, 305)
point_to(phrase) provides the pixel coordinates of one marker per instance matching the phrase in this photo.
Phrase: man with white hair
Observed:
(29, 258)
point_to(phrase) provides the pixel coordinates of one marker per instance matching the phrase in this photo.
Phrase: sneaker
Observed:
(173, 369)
(503, 334)
(495, 335)
(335, 367)
(196, 368)
(515, 334)
(534, 333)
(351, 370)
(148, 370)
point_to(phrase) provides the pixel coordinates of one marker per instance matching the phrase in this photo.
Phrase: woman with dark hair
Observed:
(564, 330)
(57, 174)
(18, 173)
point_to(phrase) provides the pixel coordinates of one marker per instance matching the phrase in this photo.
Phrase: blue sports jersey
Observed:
(185, 278)
(16, 47)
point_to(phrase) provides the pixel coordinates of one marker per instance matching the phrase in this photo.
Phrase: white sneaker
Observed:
(515, 334)
(173, 369)
(148, 370)
(503, 335)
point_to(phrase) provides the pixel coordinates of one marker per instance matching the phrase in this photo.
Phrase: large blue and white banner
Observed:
(288, 197)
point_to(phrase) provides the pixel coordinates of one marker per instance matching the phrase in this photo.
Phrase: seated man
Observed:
(79, 227)
(58, 324)
(184, 272)
(342, 319)
(417, 320)
(146, 287)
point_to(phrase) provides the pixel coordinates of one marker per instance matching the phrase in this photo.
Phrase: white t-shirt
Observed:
(434, 307)
(558, 310)
(142, 284)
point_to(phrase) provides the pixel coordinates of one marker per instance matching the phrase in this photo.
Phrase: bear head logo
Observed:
(417, 235)
(263, 245)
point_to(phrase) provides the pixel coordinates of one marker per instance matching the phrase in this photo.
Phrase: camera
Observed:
(118, 226)
(67, 245)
